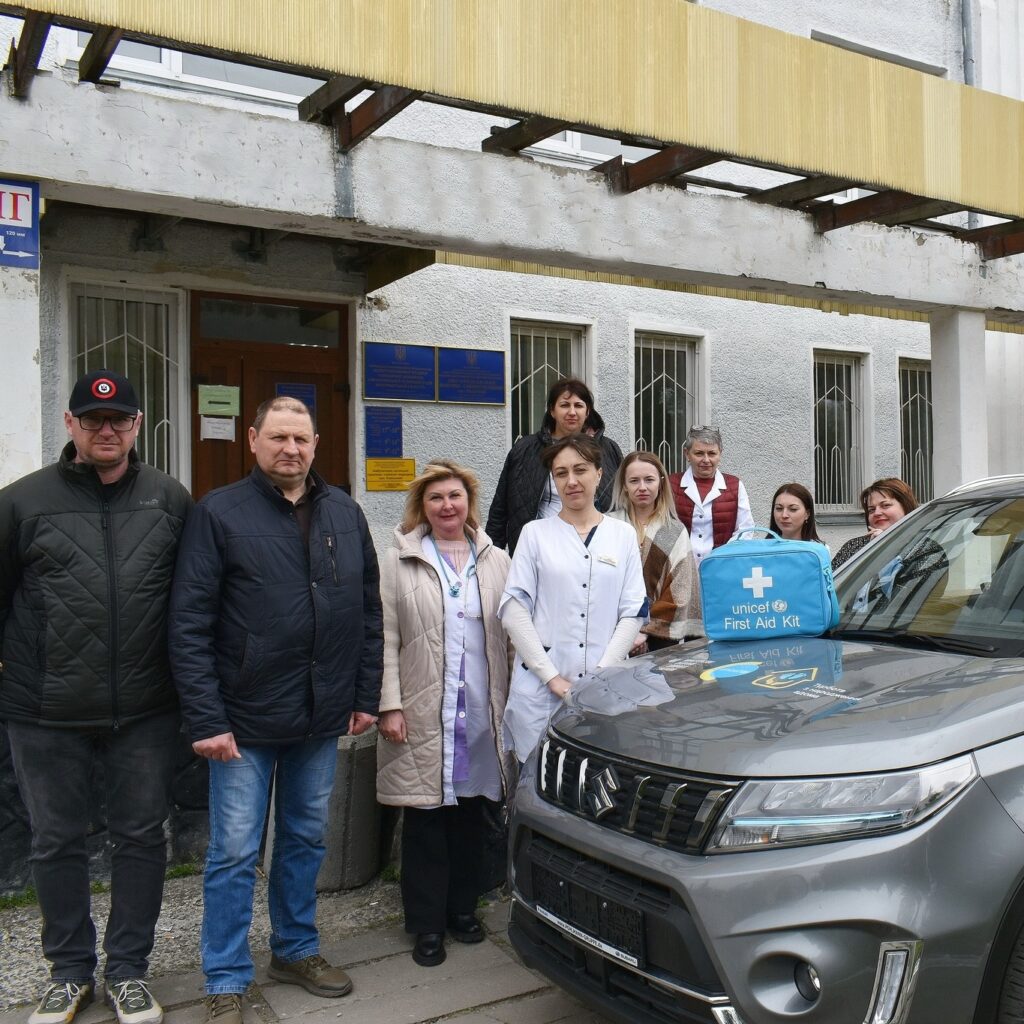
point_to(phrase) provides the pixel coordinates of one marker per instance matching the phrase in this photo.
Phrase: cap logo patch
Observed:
(104, 388)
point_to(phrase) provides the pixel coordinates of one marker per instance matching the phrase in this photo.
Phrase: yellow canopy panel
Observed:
(663, 69)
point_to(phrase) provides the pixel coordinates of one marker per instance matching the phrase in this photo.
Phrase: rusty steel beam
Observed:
(663, 166)
(794, 192)
(1005, 245)
(321, 105)
(527, 132)
(25, 54)
(925, 209)
(992, 231)
(374, 111)
(98, 51)
(890, 206)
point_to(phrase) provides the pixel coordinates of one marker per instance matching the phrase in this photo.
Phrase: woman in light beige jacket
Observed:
(446, 670)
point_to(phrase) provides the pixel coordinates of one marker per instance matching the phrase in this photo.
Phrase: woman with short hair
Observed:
(574, 599)
(712, 505)
(885, 502)
(525, 489)
(446, 668)
(643, 498)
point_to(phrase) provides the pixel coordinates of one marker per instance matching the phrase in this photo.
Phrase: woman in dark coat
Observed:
(525, 489)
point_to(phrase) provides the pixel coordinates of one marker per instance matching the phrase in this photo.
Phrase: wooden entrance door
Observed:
(264, 369)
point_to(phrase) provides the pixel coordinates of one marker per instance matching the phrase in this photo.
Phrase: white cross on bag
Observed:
(757, 582)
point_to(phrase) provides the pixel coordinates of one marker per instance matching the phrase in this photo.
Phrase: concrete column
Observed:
(21, 444)
(959, 399)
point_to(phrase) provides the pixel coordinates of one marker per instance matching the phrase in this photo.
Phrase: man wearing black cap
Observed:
(87, 550)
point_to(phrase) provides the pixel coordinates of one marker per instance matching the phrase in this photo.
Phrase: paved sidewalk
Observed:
(477, 984)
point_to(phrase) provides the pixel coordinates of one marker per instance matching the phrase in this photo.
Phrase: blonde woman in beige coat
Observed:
(446, 669)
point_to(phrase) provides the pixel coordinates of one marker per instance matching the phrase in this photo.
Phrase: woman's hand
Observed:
(559, 685)
(639, 645)
(391, 725)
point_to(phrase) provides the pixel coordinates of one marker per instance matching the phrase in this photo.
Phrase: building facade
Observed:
(823, 393)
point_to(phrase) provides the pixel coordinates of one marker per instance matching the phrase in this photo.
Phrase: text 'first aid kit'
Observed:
(759, 589)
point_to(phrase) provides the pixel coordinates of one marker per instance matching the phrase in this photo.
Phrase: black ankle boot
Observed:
(429, 949)
(465, 928)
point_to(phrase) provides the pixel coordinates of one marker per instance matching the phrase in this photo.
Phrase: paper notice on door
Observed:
(217, 428)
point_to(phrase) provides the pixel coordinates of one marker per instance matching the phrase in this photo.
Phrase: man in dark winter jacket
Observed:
(87, 549)
(277, 649)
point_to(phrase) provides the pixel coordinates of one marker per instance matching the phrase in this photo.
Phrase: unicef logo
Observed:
(779, 606)
(103, 388)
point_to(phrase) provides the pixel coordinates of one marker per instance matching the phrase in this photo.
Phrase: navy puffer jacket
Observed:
(270, 639)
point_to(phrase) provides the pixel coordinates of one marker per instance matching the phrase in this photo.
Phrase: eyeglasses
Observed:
(122, 423)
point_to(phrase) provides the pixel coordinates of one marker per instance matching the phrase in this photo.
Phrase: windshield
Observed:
(951, 576)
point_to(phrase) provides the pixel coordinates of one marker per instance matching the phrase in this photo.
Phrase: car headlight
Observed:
(794, 812)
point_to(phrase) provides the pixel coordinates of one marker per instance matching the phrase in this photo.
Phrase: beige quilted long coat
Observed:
(409, 774)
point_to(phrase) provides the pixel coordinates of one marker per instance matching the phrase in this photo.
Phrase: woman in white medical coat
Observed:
(574, 599)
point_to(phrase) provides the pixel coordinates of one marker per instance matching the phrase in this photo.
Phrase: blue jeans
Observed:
(239, 793)
(54, 772)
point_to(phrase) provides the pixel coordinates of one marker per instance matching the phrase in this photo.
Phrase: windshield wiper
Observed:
(904, 638)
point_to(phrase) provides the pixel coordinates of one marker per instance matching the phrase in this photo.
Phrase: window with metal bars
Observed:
(838, 431)
(541, 354)
(665, 394)
(916, 443)
(132, 332)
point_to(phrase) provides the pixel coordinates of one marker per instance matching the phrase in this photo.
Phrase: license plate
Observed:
(614, 929)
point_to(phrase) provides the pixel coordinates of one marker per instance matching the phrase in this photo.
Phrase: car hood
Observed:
(796, 706)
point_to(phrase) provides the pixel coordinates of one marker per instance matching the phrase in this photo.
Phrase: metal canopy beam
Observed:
(1004, 245)
(884, 207)
(527, 132)
(663, 166)
(374, 111)
(993, 231)
(320, 106)
(795, 192)
(25, 54)
(98, 51)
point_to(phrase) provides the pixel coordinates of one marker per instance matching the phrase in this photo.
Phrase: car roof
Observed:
(1008, 486)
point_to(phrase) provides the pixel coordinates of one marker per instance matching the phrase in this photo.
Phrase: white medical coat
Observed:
(576, 596)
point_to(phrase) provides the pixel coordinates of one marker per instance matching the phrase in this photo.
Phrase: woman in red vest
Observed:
(711, 504)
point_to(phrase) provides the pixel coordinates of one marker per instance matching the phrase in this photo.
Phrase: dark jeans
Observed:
(442, 854)
(54, 770)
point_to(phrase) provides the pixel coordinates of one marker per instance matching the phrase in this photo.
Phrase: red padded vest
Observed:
(723, 508)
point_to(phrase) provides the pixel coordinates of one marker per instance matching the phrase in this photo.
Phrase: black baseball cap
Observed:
(103, 389)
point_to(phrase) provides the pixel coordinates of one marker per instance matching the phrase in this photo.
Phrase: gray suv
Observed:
(815, 830)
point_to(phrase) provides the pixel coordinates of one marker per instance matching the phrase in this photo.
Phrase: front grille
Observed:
(673, 810)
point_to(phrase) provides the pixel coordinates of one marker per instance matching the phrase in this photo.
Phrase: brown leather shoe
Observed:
(224, 1008)
(314, 974)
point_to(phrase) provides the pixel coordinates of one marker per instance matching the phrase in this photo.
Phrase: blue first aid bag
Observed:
(759, 589)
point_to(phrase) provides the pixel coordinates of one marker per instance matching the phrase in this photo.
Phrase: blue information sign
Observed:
(19, 224)
(471, 376)
(305, 393)
(399, 372)
(383, 432)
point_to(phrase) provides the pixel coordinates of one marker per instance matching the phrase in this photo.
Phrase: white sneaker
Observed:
(60, 1002)
(133, 1002)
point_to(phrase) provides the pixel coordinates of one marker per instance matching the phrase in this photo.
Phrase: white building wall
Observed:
(759, 384)
(758, 356)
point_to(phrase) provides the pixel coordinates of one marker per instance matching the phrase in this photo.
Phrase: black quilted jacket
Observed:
(521, 486)
(271, 639)
(85, 578)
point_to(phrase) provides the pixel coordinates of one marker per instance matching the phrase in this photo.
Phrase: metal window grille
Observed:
(916, 441)
(541, 354)
(132, 332)
(665, 395)
(838, 430)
